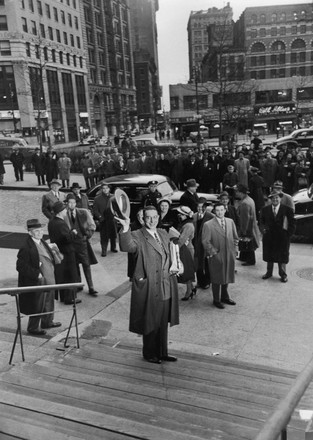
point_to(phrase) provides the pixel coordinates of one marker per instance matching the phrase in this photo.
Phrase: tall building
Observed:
(107, 40)
(146, 64)
(263, 79)
(197, 29)
(43, 69)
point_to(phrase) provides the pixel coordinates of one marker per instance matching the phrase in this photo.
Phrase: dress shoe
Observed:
(114, 250)
(52, 325)
(219, 305)
(93, 292)
(104, 254)
(228, 301)
(78, 301)
(154, 360)
(284, 279)
(266, 276)
(247, 264)
(169, 358)
(37, 332)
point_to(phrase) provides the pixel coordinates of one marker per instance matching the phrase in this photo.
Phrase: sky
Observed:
(172, 19)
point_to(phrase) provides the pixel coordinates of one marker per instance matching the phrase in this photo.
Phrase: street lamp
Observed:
(11, 95)
(196, 74)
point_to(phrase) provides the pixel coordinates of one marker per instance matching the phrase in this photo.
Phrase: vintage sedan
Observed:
(303, 200)
(136, 186)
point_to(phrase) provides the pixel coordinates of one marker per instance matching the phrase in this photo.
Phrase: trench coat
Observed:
(220, 247)
(28, 268)
(64, 164)
(150, 278)
(276, 233)
(248, 226)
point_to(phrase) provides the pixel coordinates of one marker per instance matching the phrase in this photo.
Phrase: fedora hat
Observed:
(70, 197)
(58, 207)
(275, 193)
(120, 204)
(56, 181)
(278, 184)
(76, 185)
(153, 182)
(242, 188)
(34, 223)
(191, 183)
(185, 210)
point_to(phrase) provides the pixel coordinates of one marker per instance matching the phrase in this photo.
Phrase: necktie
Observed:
(157, 239)
(73, 218)
(223, 224)
(274, 212)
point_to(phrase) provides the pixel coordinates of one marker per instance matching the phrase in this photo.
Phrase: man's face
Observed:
(36, 233)
(275, 200)
(76, 191)
(152, 188)
(192, 189)
(92, 150)
(71, 204)
(239, 195)
(200, 208)
(224, 200)
(230, 169)
(220, 211)
(105, 189)
(151, 218)
(55, 187)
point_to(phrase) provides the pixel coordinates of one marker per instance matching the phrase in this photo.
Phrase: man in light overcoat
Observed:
(219, 239)
(154, 296)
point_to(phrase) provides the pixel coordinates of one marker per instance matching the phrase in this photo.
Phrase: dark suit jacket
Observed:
(190, 200)
(48, 200)
(28, 269)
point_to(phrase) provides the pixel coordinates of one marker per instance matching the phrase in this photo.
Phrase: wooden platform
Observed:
(101, 392)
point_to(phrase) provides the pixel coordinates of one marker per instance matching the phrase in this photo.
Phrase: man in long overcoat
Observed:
(35, 266)
(190, 197)
(219, 239)
(53, 196)
(102, 212)
(277, 225)
(248, 228)
(154, 297)
(63, 236)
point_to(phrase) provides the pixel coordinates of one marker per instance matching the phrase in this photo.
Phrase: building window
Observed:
(37, 51)
(55, 14)
(61, 57)
(5, 48)
(302, 70)
(273, 73)
(273, 32)
(302, 57)
(45, 54)
(3, 23)
(293, 30)
(31, 5)
(91, 54)
(53, 55)
(302, 29)
(34, 27)
(81, 62)
(262, 60)
(65, 38)
(78, 42)
(63, 17)
(72, 40)
(103, 76)
(98, 19)
(282, 30)
(258, 47)
(74, 4)
(50, 32)
(101, 58)
(28, 49)
(253, 34)
(282, 73)
(42, 30)
(262, 19)
(93, 76)
(89, 36)
(69, 17)
(262, 32)
(74, 61)
(48, 13)
(39, 7)
(58, 34)
(274, 18)
(22, 2)
(68, 59)
(24, 24)
(87, 13)
(76, 22)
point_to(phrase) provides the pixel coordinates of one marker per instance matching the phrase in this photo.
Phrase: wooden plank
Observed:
(99, 415)
(19, 421)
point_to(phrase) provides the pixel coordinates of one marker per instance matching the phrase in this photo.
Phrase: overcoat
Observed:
(276, 233)
(64, 164)
(199, 250)
(220, 246)
(248, 226)
(151, 278)
(102, 212)
(48, 200)
(28, 269)
(190, 200)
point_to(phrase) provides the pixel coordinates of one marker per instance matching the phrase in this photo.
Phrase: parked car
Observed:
(203, 131)
(136, 186)
(303, 136)
(303, 200)
(145, 143)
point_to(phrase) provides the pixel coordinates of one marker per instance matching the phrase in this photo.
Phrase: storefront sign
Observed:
(274, 110)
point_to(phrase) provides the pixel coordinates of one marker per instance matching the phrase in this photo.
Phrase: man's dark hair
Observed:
(149, 208)
(219, 204)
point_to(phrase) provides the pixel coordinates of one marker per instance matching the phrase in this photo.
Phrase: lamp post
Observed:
(11, 95)
(196, 73)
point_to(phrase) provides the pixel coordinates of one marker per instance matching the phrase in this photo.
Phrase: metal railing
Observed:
(277, 423)
(16, 291)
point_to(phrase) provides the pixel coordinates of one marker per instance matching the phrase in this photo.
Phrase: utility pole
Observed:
(11, 95)
(196, 70)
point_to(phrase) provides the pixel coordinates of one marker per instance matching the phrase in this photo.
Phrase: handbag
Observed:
(246, 245)
(177, 267)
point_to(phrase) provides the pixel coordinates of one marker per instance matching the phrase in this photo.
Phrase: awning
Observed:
(286, 123)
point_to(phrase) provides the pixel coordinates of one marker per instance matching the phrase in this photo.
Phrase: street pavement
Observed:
(270, 325)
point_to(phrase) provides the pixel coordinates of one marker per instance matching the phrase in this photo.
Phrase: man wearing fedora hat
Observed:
(277, 226)
(53, 196)
(63, 236)
(286, 199)
(190, 197)
(248, 228)
(35, 266)
(81, 199)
